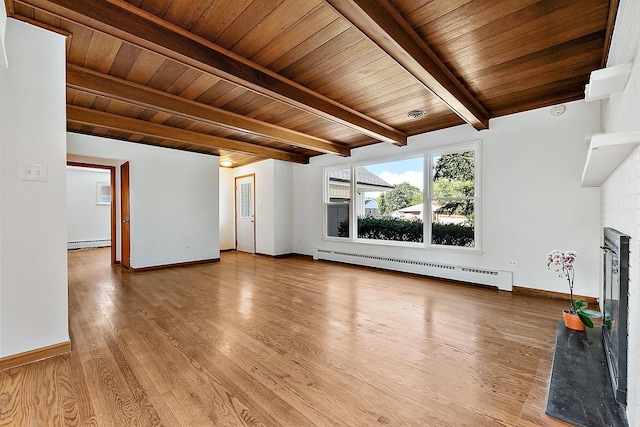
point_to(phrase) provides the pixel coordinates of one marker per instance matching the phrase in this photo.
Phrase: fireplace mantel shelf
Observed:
(606, 152)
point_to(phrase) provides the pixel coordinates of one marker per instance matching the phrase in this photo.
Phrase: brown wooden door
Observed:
(124, 213)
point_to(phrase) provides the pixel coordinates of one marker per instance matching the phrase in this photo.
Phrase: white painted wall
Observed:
(227, 210)
(273, 210)
(86, 219)
(3, 30)
(532, 199)
(33, 221)
(283, 212)
(174, 200)
(620, 194)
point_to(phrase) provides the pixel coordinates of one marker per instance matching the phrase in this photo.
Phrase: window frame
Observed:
(326, 201)
(100, 193)
(476, 148)
(428, 155)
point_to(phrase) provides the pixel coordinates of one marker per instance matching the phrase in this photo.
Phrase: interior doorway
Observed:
(245, 214)
(105, 194)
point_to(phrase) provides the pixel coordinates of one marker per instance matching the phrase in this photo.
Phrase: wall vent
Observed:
(83, 244)
(502, 280)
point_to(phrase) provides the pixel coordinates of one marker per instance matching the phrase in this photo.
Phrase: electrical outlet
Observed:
(33, 172)
(513, 263)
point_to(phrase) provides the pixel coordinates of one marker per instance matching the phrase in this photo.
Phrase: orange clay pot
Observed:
(572, 321)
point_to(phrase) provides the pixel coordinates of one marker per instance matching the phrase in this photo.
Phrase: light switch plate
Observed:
(33, 172)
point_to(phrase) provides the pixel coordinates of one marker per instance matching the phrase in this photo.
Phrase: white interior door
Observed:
(245, 225)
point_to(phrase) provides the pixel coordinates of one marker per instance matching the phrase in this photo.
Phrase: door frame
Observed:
(235, 207)
(125, 242)
(112, 183)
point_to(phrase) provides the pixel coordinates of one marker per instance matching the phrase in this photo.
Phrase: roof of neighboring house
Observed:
(414, 208)
(371, 204)
(364, 177)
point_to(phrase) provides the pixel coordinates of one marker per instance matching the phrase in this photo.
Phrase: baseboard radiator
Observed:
(83, 244)
(502, 280)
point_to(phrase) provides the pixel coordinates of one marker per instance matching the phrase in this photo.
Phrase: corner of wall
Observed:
(4, 63)
(34, 305)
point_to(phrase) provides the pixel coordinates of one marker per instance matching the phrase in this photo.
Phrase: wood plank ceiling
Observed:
(290, 79)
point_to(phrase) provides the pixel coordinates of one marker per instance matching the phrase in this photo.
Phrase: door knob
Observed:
(125, 221)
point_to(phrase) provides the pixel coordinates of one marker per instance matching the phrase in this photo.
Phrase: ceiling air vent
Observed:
(416, 114)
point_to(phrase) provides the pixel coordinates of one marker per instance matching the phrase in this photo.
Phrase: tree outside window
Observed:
(453, 200)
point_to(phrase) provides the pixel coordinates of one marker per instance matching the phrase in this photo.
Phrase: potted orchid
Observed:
(563, 263)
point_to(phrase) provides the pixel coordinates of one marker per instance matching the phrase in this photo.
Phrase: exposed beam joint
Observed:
(97, 83)
(86, 116)
(135, 26)
(384, 25)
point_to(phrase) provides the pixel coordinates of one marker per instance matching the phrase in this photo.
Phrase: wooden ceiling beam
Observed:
(611, 22)
(89, 117)
(101, 84)
(384, 25)
(134, 25)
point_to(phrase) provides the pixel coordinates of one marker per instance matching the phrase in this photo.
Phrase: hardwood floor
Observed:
(287, 342)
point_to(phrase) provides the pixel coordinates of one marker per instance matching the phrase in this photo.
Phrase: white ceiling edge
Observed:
(606, 152)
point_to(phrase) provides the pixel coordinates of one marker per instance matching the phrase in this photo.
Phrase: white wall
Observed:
(273, 210)
(33, 222)
(532, 199)
(620, 193)
(174, 200)
(86, 219)
(283, 212)
(227, 210)
(3, 30)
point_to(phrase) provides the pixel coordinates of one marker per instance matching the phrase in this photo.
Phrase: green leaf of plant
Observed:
(591, 313)
(587, 322)
(580, 303)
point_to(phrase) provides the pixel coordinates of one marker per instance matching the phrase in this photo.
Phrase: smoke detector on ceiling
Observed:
(558, 110)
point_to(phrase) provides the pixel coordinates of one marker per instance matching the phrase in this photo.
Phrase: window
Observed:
(338, 202)
(103, 193)
(428, 200)
(245, 200)
(390, 210)
(453, 199)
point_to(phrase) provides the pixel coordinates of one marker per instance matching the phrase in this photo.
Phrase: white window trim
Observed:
(325, 202)
(475, 146)
(100, 186)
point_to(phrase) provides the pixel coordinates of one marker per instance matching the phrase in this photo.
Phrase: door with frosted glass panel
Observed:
(245, 225)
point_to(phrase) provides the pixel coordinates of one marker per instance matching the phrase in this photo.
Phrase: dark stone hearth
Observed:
(580, 389)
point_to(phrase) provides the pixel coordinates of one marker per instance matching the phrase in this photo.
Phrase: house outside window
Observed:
(396, 202)
(338, 202)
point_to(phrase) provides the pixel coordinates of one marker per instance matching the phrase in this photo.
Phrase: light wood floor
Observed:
(287, 342)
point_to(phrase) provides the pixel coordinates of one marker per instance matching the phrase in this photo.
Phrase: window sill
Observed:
(407, 245)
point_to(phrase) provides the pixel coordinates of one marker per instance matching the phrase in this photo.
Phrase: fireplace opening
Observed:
(615, 308)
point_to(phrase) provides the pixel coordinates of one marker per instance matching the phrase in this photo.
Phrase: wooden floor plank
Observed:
(287, 342)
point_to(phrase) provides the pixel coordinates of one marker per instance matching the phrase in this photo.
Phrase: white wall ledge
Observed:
(606, 152)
